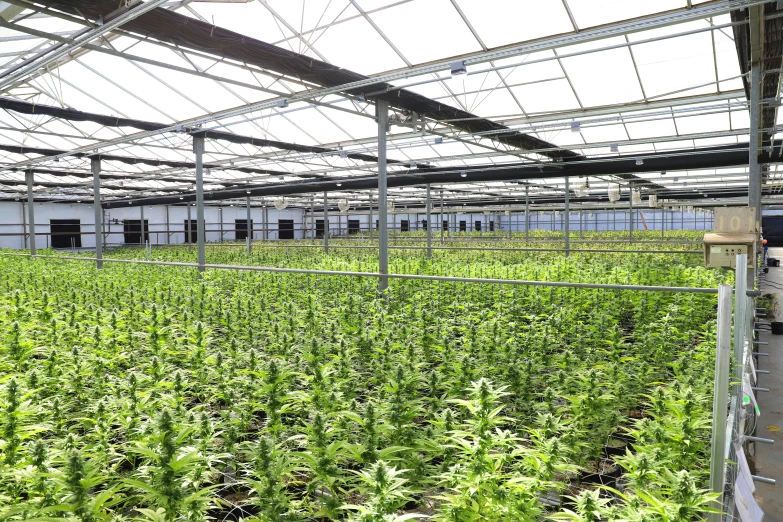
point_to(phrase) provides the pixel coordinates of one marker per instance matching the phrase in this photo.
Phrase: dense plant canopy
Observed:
(146, 393)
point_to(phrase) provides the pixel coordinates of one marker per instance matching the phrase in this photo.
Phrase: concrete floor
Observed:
(769, 458)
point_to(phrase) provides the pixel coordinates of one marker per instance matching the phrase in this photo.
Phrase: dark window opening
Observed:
(132, 230)
(319, 228)
(405, 225)
(377, 224)
(446, 225)
(463, 226)
(478, 226)
(491, 226)
(354, 227)
(285, 228)
(193, 231)
(240, 229)
(424, 224)
(66, 233)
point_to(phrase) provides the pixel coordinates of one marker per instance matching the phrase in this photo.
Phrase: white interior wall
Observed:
(11, 219)
(13, 214)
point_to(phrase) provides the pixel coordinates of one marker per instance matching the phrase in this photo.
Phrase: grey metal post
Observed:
(30, 210)
(442, 232)
(249, 229)
(190, 232)
(720, 397)
(740, 301)
(24, 227)
(754, 170)
(220, 218)
(581, 225)
(326, 222)
(265, 216)
(614, 220)
(369, 224)
(527, 214)
(429, 224)
(630, 215)
(663, 223)
(198, 148)
(95, 163)
(143, 228)
(312, 216)
(382, 110)
(567, 219)
(168, 227)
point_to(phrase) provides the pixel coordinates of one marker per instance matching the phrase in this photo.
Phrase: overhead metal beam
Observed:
(121, 16)
(689, 159)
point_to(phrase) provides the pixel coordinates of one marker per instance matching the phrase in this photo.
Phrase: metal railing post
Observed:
(740, 317)
(720, 398)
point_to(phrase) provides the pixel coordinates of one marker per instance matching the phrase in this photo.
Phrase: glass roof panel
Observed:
(677, 63)
(546, 97)
(408, 24)
(604, 78)
(503, 22)
(589, 13)
(374, 55)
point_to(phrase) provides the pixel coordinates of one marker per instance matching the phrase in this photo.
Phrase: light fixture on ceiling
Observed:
(614, 148)
(339, 184)
(463, 173)
(458, 68)
(413, 164)
(438, 141)
(281, 104)
(576, 126)
(640, 161)
(247, 191)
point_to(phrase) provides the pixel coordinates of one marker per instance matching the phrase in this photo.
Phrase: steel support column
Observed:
(369, 223)
(429, 224)
(754, 169)
(249, 228)
(143, 228)
(567, 219)
(630, 215)
(168, 227)
(30, 210)
(266, 222)
(95, 163)
(189, 227)
(440, 220)
(198, 149)
(382, 113)
(326, 222)
(527, 214)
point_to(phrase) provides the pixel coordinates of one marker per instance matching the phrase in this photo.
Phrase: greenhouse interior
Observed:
(527, 256)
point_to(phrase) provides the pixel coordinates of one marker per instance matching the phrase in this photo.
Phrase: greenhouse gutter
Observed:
(445, 279)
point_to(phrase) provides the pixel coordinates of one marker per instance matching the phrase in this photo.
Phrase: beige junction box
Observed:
(720, 250)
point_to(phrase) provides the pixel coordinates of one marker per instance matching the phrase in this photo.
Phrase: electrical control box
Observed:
(720, 250)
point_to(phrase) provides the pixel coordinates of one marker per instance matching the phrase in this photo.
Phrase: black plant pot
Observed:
(777, 328)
